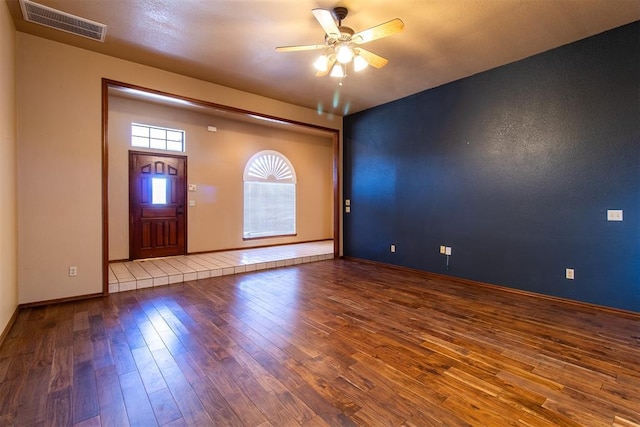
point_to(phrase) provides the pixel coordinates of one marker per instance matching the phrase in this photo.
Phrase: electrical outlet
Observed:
(569, 273)
(447, 250)
(393, 248)
(443, 249)
(73, 271)
(614, 215)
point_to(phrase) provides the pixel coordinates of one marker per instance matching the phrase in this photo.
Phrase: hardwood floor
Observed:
(328, 343)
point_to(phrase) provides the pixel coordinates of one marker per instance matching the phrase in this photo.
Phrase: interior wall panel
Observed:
(514, 169)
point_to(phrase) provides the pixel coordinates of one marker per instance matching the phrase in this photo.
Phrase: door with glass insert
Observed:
(157, 193)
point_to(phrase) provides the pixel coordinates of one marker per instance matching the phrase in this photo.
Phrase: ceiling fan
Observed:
(342, 45)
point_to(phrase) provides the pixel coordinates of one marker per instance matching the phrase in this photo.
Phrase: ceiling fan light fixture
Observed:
(337, 71)
(322, 63)
(344, 54)
(342, 44)
(359, 63)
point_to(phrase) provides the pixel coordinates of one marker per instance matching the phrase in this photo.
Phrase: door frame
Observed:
(108, 83)
(184, 190)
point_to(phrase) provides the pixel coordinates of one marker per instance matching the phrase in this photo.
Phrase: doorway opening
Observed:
(184, 105)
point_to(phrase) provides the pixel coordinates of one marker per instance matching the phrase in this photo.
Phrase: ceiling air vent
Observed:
(43, 15)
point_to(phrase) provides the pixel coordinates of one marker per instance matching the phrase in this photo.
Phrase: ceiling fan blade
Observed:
(379, 31)
(372, 59)
(328, 24)
(301, 47)
(332, 61)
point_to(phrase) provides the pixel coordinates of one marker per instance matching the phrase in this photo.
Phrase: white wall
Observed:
(216, 162)
(8, 224)
(59, 110)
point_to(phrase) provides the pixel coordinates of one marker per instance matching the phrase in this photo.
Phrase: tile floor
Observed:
(126, 276)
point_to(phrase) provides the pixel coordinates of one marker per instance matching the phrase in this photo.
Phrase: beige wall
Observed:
(216, 162)
(59, 156)
(8, 225)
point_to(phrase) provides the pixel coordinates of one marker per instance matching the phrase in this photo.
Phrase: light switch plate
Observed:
(447, 250)
(569, 273)
(347, 209)
(347, 202)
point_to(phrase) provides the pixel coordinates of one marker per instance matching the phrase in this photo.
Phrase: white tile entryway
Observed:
(126, 276)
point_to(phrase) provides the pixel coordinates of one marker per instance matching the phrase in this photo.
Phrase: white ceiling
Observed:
(232, 42)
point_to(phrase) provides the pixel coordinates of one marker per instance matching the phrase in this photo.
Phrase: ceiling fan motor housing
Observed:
(340, 13)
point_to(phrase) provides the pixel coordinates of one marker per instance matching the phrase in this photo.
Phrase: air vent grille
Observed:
(43, 15)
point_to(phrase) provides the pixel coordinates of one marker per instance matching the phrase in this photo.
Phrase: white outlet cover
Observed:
(447, 250)
(614, 215)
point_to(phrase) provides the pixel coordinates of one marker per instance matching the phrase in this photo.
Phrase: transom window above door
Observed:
(157, 138)
(269, 196)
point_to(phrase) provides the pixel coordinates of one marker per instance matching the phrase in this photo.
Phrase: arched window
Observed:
(269, 196)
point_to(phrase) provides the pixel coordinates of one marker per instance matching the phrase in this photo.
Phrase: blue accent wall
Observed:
(515, 169)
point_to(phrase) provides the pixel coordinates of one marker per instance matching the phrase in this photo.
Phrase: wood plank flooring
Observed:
(330, 343)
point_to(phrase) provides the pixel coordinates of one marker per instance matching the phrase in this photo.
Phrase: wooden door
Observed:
(157, 193)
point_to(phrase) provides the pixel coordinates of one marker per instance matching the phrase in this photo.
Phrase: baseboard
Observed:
(7, 328)
(236, 249)
(60, 300)
(438, 276)
(258, 246)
